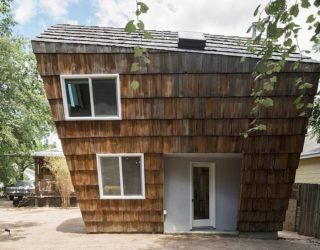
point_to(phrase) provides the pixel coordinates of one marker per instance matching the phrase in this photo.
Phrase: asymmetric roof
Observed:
(161, 41)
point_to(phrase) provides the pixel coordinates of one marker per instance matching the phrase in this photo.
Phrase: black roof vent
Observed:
(191, 40)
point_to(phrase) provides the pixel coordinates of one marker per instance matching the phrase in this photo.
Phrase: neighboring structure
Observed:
(169, 157)
(46, 189)
(44, 180)
(309, 165)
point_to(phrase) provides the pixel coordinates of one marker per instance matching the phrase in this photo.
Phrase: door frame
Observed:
(212, 191)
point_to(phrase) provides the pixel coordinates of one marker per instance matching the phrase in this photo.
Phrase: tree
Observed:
(315, 120)
(24, 111)
(278, 31)
(59, 168)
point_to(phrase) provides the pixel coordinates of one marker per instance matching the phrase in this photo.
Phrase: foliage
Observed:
(315, 120)
(6, 20)
(140, 54)
(59, 168)
(24, 111)
(277, 31)
(8, 174)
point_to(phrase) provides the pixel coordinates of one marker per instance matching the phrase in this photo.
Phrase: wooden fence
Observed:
(309, 215)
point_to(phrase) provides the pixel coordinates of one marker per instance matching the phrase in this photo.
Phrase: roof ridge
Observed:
(163, 40)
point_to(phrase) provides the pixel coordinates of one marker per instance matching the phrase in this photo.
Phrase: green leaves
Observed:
(6, 20)
(267, 102)
(261, 127)
(276, 40)
(140, 25)
(274, 7)
(256, 128)
(134, 84)
(315, 119)
(311, 19)
(256, 10)
(138, 51)
(288, 42)
(146, 60)
(130, 27)
(294, 10)
(135, 67)
(305, 85)
(140, 54)
(25, 118)
(143, 8)
(305, 4)
(310, 106)
(268, 86)
(147, 35)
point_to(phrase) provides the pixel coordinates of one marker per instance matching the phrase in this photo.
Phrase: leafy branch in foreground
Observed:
(277, 38)
(140, 54)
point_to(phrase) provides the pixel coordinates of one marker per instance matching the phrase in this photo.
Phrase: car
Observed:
(20, 189)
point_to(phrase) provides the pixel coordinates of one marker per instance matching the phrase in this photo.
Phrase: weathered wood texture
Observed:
(186, 103)
(309, 199)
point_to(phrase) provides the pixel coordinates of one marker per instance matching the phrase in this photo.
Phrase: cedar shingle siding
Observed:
(188, 102)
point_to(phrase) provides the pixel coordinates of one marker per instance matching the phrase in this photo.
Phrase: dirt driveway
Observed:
(56, 228)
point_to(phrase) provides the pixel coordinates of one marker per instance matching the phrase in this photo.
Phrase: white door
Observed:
(202, 194)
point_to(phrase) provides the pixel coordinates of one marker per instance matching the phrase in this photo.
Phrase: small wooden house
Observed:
(47, 191)
(44, 179)
(309, 165)
(169, 156)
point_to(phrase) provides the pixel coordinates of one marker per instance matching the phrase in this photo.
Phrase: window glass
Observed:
(110, 175)
(105, 97)
(78, 97)
(131, 171)
(121, 176)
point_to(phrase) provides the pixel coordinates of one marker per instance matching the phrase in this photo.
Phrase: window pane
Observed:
(78, 97)
(105, 97)
(131, 175)
(110, 175)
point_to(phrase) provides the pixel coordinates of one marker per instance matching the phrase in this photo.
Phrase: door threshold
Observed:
(208, 228)
(207, 232)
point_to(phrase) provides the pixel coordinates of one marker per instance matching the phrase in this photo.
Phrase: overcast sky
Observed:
(225, 17)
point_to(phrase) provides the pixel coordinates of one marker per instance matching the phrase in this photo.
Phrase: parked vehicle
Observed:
(20, 189)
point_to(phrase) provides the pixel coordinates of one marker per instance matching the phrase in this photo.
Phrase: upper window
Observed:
(121, 176)
(88, 97)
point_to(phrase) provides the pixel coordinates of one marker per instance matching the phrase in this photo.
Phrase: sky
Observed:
(224, 17)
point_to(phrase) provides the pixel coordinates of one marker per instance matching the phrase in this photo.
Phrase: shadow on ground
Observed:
(17, 230)
(74, 225)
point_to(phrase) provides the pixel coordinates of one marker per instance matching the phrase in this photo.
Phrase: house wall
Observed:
(308, 171)
(177, 192)
(186, 103)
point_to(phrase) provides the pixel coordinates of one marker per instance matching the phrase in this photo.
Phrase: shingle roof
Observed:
(162, 40)
(54, 152)
(311, 148)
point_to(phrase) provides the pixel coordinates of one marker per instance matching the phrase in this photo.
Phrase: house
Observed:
(309, 165)
(169, 157)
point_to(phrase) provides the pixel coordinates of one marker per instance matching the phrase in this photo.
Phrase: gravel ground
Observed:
(57, 228)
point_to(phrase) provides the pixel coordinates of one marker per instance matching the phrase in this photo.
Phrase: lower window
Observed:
(121, 176)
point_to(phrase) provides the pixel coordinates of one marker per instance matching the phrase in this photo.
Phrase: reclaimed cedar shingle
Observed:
(116, 37)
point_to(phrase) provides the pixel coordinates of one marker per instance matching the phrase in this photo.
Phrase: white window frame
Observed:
(90, 77)
(122, 196)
